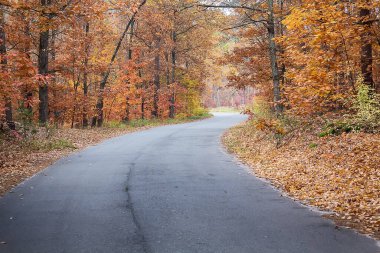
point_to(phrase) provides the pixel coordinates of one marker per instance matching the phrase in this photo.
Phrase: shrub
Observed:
(339, 127)
(265, 120)
(366, 116)
(200, 111)
(367, 106)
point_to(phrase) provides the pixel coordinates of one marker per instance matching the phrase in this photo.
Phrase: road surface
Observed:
(170, 189)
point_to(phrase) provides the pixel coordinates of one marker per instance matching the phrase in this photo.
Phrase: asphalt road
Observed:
(170, 189)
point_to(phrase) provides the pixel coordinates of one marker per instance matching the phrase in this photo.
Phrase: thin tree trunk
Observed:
(76, 85)
(366, 58)
(168, 78)
(143, 100)
(156, 80)
(27, 92)
(273, 60)
(173, 80)
(85, 78)
(143, 86)
(129, 57)
(56, 111)
(281, 30)
(218, 104)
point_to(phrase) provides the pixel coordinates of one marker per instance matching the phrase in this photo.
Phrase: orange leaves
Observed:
(321, 51)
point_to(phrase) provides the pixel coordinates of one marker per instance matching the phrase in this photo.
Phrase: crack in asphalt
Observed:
(139, 232)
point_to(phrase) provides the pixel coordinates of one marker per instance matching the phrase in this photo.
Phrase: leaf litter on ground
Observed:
(334, 173)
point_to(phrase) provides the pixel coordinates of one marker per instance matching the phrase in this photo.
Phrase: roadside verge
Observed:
(339, 174)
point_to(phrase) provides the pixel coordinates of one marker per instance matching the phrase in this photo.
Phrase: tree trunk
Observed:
(76, 85)
(27, 110)
(273, 60)
(143, 101)
(173, 80)
(129, 58)
(43, 68)
(56, 111)
(218, 97)
(85, 79)
(4, 62)
(366, 58)
(168, 63)
(156, 80)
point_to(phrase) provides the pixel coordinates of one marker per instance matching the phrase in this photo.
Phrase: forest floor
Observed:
(338, 174)
(21, 158)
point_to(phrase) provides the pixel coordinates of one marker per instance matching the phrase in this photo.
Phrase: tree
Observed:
(100, 103)
(4, 70)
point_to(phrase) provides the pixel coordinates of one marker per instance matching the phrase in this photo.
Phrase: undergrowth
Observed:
(276, 127)
(366, 116)
(47, 145)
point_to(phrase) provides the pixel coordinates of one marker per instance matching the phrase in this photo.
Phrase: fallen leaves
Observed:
(335, 173)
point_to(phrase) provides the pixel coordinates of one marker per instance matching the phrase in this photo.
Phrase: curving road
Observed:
(170, 189)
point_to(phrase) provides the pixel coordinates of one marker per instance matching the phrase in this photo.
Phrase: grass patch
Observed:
(47, 145)
(313, 145)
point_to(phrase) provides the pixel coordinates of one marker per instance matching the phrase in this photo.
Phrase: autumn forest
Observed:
(83, 62)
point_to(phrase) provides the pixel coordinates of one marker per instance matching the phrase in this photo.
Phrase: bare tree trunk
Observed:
(273, 60)
(366, 47)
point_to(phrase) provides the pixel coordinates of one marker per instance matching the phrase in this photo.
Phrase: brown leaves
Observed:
(339, 173)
